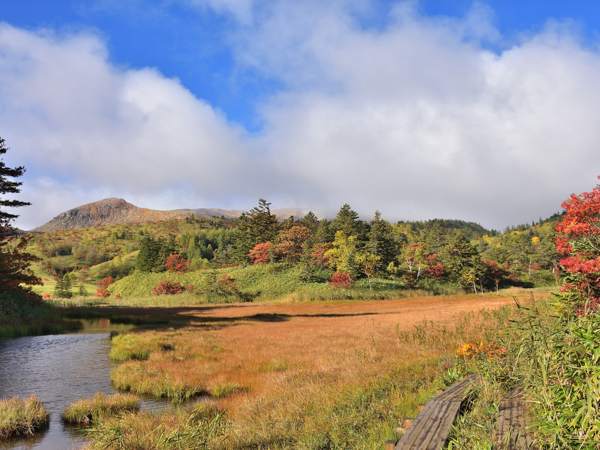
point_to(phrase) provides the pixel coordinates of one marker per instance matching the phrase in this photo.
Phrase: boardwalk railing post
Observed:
(389, 445)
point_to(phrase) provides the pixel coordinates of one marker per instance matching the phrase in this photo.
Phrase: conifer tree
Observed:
(59, 288)
(311, 222)
(381, 241)
(257, 226)
(348, 221)
(461, 260)
(149, 255)
(15, 271)
(324, 233)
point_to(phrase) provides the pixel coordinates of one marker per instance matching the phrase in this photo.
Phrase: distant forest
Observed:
(410, 254)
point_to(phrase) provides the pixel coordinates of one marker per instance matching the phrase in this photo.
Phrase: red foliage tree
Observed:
(317, 255)
(580, 245)
(176, 263)
(290, 243)
(341, 280)
(261, 253)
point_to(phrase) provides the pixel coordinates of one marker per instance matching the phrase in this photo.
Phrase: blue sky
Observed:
(190, 42)
(420, 109)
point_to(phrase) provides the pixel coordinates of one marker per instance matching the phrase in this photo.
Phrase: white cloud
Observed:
(416, 119)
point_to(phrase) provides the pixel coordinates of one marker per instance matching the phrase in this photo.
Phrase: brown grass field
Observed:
(289, 375)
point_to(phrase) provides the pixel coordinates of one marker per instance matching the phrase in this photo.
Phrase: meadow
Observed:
(308, 375)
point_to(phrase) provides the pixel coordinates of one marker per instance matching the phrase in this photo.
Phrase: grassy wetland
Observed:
(310, 375)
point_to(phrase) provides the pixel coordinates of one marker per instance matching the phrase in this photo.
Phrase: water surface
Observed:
(59, 369)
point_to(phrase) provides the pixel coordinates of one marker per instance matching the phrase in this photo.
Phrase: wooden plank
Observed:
(432, 426)
(439, 434)
(511, 428)
(420, 424)
(424, 438)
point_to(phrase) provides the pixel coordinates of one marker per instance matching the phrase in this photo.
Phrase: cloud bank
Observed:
(417, 119)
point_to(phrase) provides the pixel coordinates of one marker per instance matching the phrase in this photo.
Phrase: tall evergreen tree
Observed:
(16, 276)
(256, 226)
(9, 186)
(381, 241)
(148, 258)
(461, 260)
(324, 233)
(435, 239)
(347, 220)
(311, 222)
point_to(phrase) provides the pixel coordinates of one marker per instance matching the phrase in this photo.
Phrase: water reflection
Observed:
(60, 369)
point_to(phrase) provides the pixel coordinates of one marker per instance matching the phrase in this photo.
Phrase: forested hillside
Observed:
(342, 253)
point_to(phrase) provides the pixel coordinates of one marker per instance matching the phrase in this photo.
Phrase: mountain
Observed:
(115, 211)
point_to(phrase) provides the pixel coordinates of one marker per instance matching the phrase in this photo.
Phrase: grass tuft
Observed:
(156, 380)
(22, 417)
(85, 411)
(192, 428)
(225, 389)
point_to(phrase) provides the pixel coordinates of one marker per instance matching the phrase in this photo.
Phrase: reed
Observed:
(86, 411)
(22, 417)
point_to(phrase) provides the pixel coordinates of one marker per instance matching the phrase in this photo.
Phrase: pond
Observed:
(59, 369)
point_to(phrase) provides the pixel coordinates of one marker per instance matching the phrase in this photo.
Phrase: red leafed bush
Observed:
(227, 284)
(102, 292)
(176, 263)
(167, 288)
(106, 282)
(118, 296)
(191, 289)
(341, 280)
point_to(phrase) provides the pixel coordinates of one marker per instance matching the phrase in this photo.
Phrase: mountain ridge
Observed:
(116, 211)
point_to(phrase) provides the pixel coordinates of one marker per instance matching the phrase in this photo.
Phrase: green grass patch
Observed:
(225, 389)
(86, 411)
(140, 378)
(131, 346)
(22, 417)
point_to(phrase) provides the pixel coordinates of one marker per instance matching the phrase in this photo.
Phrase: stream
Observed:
(59, 369)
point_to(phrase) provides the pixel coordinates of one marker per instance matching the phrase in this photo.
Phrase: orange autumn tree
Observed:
(261, 253)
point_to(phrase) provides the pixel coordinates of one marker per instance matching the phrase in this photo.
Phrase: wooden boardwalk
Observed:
(511, 431)
(431, 428)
